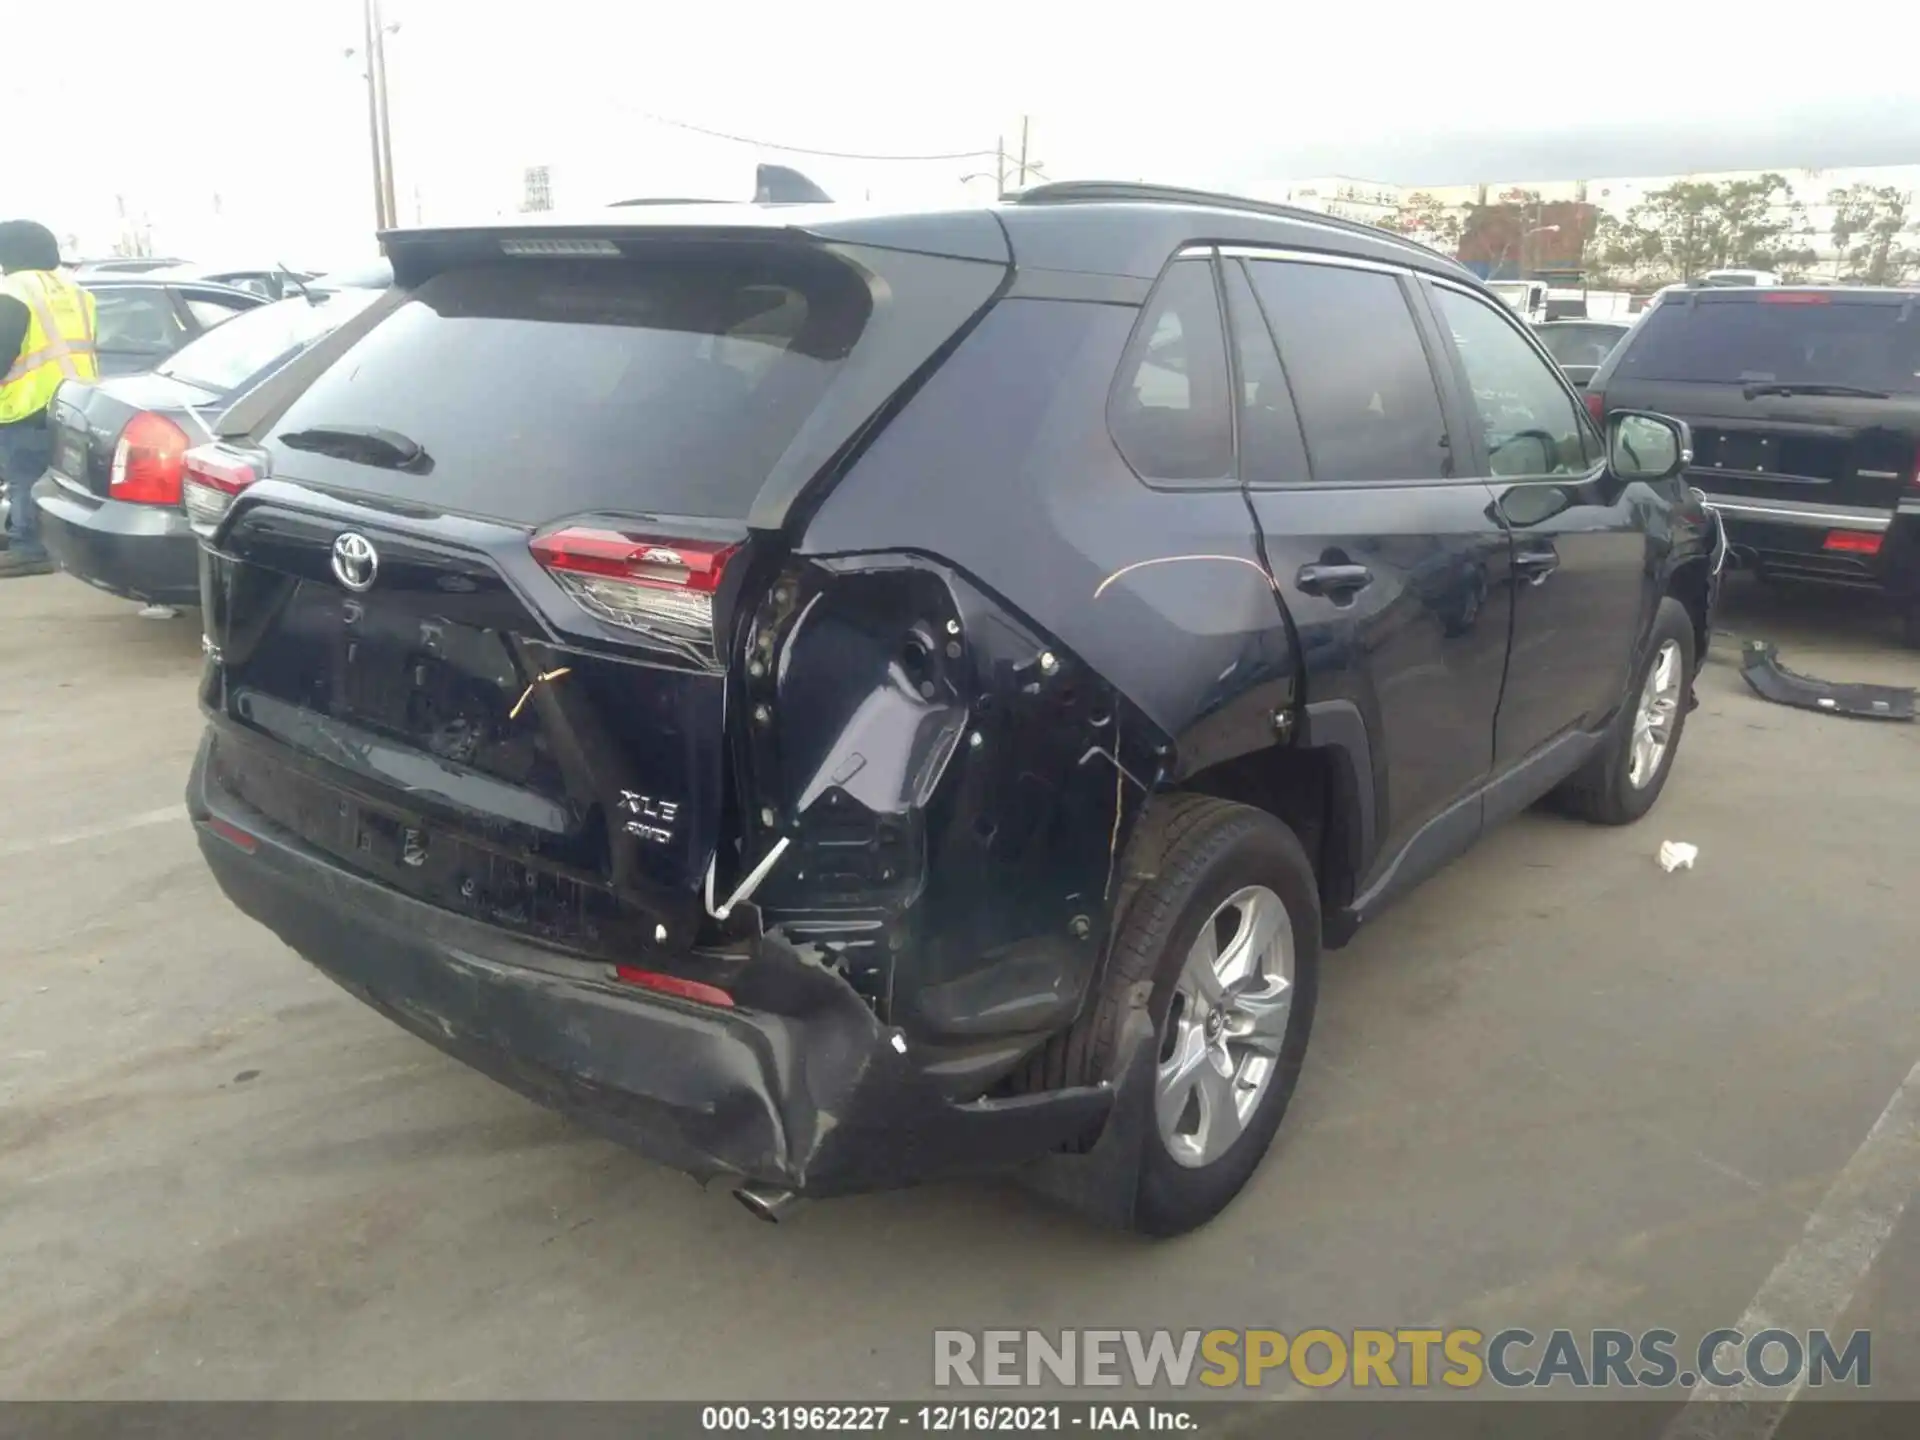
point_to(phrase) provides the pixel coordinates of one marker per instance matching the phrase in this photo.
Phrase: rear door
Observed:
(1390, 552)
(1720, 360)
(1583, 576)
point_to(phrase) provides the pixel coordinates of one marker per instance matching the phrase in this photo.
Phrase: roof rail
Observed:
(1064, 192)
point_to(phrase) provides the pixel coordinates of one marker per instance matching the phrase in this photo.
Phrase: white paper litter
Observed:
(1677, 855)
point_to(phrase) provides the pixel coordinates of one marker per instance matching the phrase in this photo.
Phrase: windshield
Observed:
(1580, 344)
(1780, 337)
(234, 352)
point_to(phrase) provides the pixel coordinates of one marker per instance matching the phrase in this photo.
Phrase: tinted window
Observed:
(1528, 421)
(1788, 336)
(1271, 450)
(1360, 378)
(1170, 414)
(209, 312)
(1580, 344)
(236, 352)
(137, 320)
(541, 389)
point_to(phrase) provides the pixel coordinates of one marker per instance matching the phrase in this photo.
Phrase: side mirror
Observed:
(1644, 446)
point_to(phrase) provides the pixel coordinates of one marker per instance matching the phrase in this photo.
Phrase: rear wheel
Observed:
(1627, 774)
(1225, 930)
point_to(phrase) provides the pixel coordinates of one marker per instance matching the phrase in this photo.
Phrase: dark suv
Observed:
(834, 699)
(1805, 404)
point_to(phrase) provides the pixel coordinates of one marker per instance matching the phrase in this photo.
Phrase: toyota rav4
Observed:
(839, 698)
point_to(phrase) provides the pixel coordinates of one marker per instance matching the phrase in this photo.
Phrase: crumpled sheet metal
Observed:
(1760, 664)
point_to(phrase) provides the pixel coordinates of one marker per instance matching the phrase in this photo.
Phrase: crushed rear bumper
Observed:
(799, 1088)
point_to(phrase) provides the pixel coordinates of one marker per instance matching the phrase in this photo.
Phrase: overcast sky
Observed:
(256, 102)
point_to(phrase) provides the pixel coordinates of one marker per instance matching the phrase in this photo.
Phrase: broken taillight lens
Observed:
(147, 461)
(214, 475)
(649, 584)
(1853, 542)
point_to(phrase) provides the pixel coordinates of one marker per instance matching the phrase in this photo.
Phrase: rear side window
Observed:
(1368, 405)
(235, 352)
(541, 389)
(1171, 413)
(136, 320)
(1778, 336)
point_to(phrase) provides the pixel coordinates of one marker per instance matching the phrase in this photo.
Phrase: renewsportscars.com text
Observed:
(1402, 1359)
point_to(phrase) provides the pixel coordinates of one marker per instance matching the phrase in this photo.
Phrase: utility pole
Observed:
(1023, 151)
(379, 62)
(380, 214)
(999, 167)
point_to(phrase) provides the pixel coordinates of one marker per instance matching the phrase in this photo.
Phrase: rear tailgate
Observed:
(1718, 359)
(472, 635)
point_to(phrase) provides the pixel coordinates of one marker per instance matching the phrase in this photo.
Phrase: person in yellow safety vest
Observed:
(46, 336)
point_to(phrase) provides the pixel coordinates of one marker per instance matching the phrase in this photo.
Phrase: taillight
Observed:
(1853, 542)
(649, 584)
(214, 475)
(1596, 407)
(148, 461)
(674, 985)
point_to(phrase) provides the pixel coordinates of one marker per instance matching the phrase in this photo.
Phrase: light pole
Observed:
(380, 137)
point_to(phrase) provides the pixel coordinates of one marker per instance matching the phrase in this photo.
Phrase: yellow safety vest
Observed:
(59, 344)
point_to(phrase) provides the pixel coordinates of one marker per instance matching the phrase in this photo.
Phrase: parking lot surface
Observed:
(1555, 1087)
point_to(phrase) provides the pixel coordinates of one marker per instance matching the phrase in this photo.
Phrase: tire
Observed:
(1606, 791)
(1191, 856)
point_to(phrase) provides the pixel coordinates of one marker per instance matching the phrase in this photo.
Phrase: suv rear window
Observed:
(1785, 336)
(540, 389)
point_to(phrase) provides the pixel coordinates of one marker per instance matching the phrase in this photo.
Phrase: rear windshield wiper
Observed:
(365, 444)
(1758, 388)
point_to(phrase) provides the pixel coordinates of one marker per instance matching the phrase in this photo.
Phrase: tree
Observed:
(1693, 226)
(1424, 218)
(1877, 242)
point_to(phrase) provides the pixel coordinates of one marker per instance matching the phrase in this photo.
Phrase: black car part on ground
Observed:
(1760, 664)
(606, 777)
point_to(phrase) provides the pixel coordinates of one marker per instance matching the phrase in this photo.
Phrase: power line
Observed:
(802, 149)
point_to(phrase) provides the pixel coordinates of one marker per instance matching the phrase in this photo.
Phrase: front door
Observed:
(1583, 578)
(1389, 552)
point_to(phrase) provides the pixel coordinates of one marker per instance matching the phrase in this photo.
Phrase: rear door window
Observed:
(1171, 414)
(1368, 404)
(136, 320)
(1779, 336)
(1271, 449)
(541, 389)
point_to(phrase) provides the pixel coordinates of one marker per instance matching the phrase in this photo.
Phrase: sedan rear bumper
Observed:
(139, 552)
(799, 1088)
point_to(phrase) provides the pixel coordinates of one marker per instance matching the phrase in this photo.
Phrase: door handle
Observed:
(1536, 565)
(1333, 579)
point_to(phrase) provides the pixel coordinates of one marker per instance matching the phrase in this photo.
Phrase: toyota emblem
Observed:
(355, 561)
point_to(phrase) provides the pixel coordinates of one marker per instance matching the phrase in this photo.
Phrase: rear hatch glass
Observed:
(1780, 337)
(1580, 344)
(1805, 396)
(536, 390)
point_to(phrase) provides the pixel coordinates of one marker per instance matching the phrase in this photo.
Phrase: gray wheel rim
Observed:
(1225, 1026)
(1653, 717)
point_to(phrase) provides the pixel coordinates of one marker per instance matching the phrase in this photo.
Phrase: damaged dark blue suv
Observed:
(834, 699)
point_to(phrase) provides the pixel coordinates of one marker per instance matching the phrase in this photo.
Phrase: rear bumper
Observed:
(1789, 539)
(800, 1088)
(139, 552)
